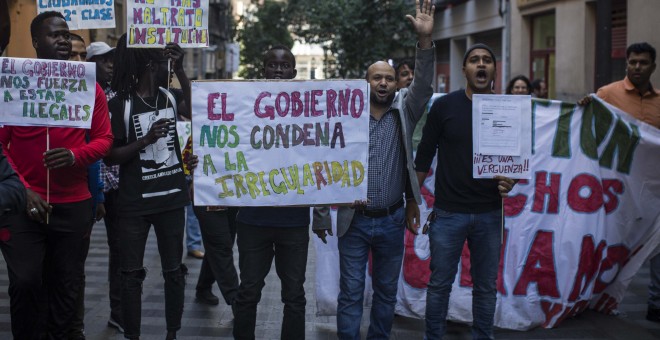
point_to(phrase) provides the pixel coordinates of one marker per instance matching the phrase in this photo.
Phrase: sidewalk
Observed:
(214, 322)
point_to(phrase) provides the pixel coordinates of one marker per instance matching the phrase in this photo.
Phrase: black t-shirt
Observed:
(153, 181)
(449, 130)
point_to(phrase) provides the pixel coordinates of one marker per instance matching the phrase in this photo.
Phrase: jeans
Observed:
(383, 236)
(447, 235)
(114, 273)
(77, 325)
(256, 248)
(654, 286)
(218, 233)
(193, 234)
(44, 266)
(134, 231)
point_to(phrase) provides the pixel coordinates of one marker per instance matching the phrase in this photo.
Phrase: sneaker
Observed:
(653, 314)
(114, 324)
(198, 254)
(207, 297)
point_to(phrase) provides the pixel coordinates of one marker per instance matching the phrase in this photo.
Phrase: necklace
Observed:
(155, 106)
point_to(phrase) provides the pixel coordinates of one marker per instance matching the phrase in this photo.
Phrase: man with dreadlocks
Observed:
(152, 184)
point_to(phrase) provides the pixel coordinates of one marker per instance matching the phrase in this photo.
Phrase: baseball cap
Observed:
(98, 48)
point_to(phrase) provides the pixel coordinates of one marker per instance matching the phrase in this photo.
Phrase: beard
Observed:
(375, 100)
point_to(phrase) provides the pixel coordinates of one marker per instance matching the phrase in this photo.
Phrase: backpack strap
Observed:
(128, 104)
(170, 97)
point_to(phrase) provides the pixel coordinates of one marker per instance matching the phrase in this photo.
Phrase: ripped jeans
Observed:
(133, 231)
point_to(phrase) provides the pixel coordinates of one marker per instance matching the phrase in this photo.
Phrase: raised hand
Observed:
(423, 22)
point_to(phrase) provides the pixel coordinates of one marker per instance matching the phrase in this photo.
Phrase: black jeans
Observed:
(44, 267)
(218, 234)
(114, 273)
(256, 248)
(77, 326)
(133, 231)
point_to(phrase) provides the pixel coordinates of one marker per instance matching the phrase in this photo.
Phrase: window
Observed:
(543, 51)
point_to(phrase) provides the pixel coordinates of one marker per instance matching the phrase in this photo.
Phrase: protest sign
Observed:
(154, 23)
(42, 92)
(575, 234)
(183, 129)
(501, 136)
(82, 14)
(273, 143)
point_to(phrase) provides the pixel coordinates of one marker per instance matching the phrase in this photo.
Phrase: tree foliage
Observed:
(264, 26)
(355, 32)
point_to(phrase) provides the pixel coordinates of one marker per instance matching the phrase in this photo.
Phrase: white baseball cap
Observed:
(98, 48)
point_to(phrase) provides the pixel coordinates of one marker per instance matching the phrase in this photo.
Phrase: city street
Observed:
(211, 322)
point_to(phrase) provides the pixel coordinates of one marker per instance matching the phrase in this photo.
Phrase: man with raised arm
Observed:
(378, 225)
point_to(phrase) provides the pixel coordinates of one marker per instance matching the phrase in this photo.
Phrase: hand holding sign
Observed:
(504, 185)
(58, 158)
(175, 52)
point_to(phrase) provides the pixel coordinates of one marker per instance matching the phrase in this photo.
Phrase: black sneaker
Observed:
(653, 314)
(207, 297)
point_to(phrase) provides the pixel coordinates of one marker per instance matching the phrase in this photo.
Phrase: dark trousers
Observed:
(44, 267)
(133, 231)
(114, 273)
(77, 326)
(256, 248)
(218, 234)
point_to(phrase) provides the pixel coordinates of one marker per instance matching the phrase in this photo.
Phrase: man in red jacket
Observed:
(44, 244)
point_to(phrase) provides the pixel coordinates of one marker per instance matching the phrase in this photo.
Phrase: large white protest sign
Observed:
(575, 234)
(42, 92)
(82, 14)
(501, 136)
(273, 143)
(154, 23)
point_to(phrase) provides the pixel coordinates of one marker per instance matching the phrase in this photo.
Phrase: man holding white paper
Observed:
(45, 243)
(465, 208)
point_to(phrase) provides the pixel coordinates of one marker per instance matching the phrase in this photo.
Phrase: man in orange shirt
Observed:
(636, 96)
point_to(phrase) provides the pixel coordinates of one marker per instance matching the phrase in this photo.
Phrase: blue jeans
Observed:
(383, 236)
(193, 232)
(447, 235)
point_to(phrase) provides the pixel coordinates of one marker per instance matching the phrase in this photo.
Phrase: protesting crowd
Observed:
(130, 170)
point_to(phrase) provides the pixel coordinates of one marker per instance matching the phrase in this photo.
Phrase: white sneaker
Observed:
(114, 324)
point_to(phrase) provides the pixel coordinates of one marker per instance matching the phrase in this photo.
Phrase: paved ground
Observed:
(207, 322)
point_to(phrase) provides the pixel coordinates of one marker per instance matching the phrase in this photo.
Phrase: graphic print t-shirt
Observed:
(153, 181)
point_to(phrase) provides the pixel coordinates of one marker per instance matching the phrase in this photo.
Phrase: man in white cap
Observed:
(103, 55)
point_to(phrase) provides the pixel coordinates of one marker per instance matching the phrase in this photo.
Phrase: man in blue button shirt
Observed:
(378, 226)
